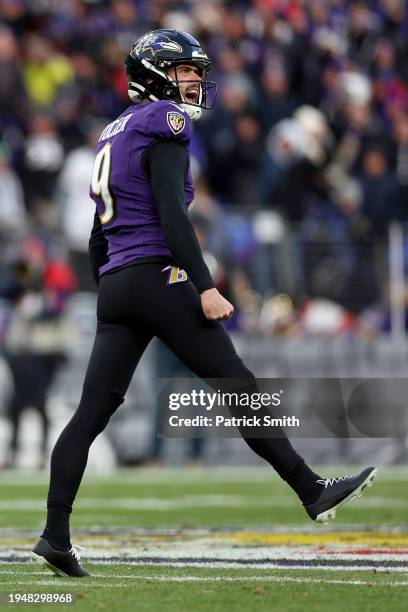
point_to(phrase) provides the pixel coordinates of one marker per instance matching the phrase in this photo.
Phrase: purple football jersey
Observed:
(121, 189)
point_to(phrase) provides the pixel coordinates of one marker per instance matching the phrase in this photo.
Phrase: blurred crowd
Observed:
(300, 169)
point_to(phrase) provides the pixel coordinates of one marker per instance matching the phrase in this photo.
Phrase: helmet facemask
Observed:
(192, 95)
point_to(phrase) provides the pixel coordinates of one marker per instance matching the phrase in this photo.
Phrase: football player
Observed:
(153, 281)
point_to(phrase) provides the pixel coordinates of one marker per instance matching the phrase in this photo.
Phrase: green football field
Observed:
(219, 539)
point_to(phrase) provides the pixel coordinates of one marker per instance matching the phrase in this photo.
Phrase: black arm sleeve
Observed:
(98, 247)
(167, 163)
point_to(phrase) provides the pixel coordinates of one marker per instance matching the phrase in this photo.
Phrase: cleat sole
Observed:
(54, 569)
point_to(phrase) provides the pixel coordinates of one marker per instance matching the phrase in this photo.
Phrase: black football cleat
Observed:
(338, 491)
(60, 562)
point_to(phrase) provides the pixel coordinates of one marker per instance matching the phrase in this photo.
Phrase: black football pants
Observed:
(134, 305)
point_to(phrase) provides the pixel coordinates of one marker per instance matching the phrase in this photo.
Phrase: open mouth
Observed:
(192, 96)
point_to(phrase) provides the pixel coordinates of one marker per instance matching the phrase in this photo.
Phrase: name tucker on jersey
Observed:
(116, 127)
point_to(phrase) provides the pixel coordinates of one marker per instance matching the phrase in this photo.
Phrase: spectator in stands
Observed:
(278, 101)
(36, 336)
(380, 203)
(400, 159)
(75, 211)
(13, 99)
(44, 70)
(13, 218)
(297, 151)
(43, 159)
(241, 166)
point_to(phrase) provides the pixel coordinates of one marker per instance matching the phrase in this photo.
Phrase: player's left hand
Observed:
(215, 306)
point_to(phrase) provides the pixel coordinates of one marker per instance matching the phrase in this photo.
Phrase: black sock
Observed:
(57, 529)
(303, 481)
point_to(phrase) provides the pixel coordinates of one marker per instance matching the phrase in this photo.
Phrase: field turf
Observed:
(219, 540)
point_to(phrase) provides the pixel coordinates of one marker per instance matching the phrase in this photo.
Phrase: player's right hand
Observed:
(216, 307)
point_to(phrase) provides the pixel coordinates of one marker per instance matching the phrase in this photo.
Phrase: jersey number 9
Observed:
(100, 182)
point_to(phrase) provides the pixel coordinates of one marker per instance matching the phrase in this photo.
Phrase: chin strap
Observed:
(194, 112)
(137, 93)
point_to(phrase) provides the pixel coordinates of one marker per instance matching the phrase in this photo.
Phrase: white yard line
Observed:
(62, 582)
(242, 566)
(264, 566)
(159, 504)
(153, 503)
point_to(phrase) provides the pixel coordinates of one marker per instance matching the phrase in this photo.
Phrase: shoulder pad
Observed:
(169, 120)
